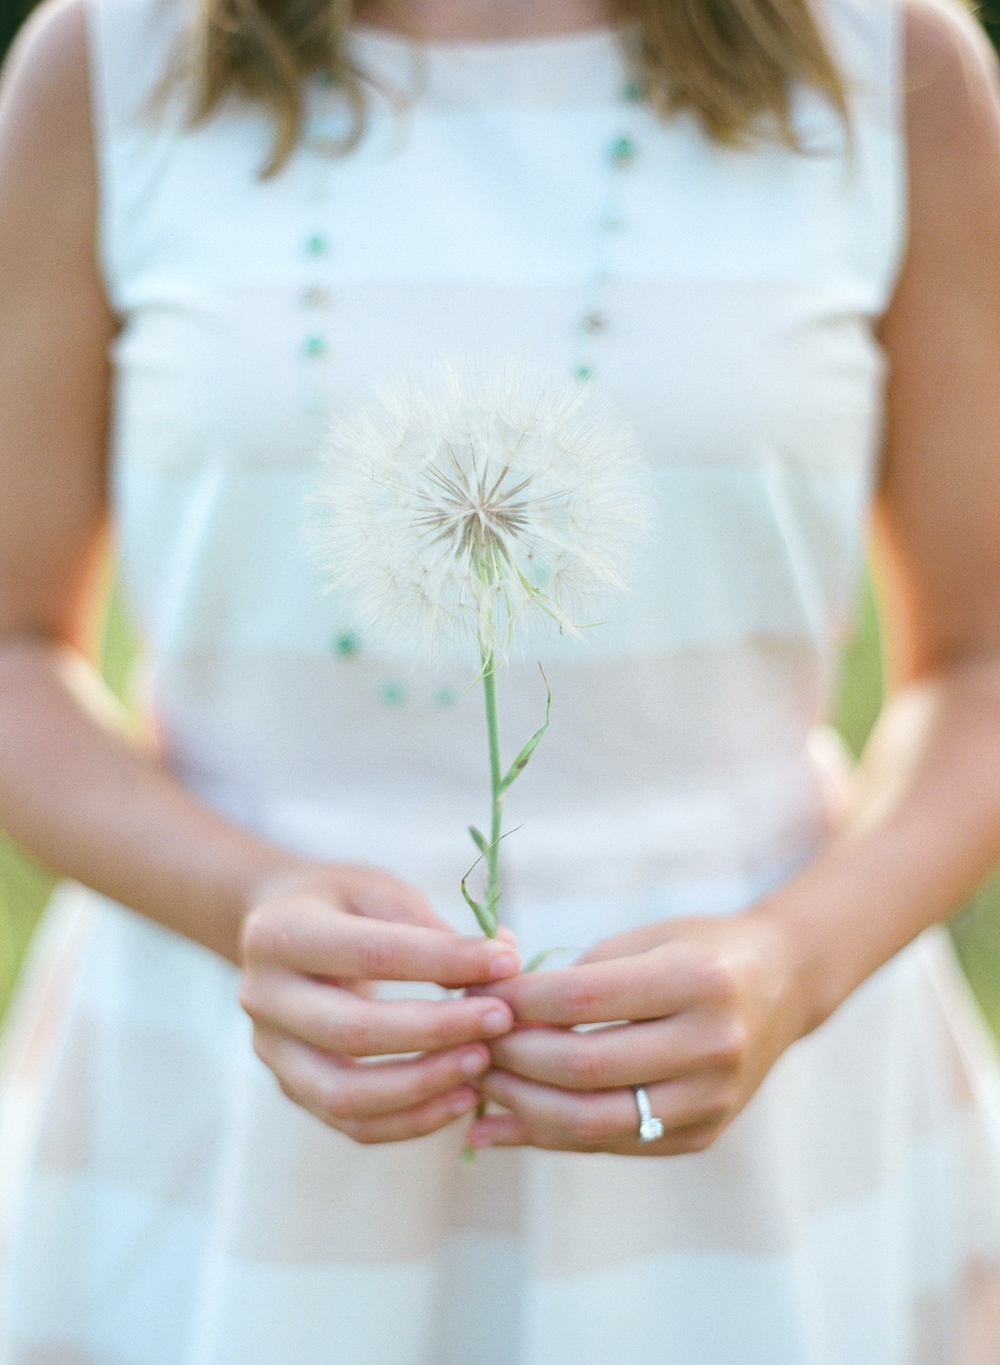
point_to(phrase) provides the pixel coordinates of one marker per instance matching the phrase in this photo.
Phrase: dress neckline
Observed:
(582, 67)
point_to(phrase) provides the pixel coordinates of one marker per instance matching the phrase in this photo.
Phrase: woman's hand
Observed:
(314, 943)
(711, 1003)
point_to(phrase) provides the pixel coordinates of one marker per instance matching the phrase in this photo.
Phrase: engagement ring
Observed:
(650, 1127)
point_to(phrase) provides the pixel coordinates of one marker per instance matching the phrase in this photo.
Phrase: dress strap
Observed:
(131, 43)
(866, 41)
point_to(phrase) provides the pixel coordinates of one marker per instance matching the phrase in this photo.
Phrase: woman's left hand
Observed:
(710, 1002)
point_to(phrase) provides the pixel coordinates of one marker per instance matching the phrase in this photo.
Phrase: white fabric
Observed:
(739, 348)
(163, 1201)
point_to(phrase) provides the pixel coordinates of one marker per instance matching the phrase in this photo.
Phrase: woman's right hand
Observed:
(314, 943)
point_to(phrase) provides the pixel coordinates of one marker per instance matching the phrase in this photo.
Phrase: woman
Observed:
(735, 259)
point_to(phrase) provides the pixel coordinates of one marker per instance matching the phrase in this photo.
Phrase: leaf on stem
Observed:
(479, 840)
(521, 762)
(487, 922)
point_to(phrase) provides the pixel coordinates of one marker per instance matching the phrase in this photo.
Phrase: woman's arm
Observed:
(926, 829)
(722, 998)
(94, 805)
(84, 799)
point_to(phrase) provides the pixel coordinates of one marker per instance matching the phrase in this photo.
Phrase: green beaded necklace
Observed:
(593, 326)
(594, 323)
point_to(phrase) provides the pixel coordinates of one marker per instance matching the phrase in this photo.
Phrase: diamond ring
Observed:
(650, 1127)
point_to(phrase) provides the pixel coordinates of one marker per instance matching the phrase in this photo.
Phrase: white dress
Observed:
(162, 1203)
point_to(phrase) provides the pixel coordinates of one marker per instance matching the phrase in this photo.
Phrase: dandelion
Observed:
(466, 514)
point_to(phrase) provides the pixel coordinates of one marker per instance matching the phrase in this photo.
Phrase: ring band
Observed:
(650, 1127)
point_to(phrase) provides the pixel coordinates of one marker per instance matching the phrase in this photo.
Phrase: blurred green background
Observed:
(12, 14)
(24, 885)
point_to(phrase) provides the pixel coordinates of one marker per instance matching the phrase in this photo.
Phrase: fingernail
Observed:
(496, 1021)
(473, 1064)
(504, 964)
(464, 1103)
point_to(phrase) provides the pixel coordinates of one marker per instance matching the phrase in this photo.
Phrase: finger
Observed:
(341, 1021)
(597, 1120)
(621, 1054)
(663, 981)
(376, 894)
(411, 1123)
(340, 1091)
(504, 936)
(363, 890)
(310, 935)
(500, 1130)
(504, 1130)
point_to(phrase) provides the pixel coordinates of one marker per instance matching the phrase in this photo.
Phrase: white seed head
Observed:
(457, 514)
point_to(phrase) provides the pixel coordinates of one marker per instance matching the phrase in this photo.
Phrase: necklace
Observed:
(323, 136)
(619, 156)
(325, 129)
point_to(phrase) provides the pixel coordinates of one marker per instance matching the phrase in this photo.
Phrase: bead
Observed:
(326, 80)
(315, 296)
(622, 151)
(594, 322)
(634, 92)
(316, 245)
(444, 696)
(314, 347)
(582, 373)
(392, 693)
(347, 644)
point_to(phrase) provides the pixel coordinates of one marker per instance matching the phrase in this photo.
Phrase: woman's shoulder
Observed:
(952, 124)
(55, 32)
(896, 47)
(950, 75)
(48, 62)
(46, 145)
(75, 56)
(930, 67)
(952, 97)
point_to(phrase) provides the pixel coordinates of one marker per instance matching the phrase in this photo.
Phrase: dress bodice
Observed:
(496, 188)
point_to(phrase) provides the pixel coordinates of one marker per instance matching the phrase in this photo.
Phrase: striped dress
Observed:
(161, 1202)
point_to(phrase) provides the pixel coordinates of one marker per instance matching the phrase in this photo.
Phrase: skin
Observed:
(482, 20)
(711, 1002)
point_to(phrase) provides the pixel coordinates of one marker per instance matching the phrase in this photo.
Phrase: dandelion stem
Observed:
(496, 781)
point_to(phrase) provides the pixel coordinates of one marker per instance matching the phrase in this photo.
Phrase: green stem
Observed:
(496, 777)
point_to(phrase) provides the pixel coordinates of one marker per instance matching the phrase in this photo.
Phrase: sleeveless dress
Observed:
(162, 1202)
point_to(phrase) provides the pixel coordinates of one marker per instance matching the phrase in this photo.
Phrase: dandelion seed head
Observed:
(467, 512)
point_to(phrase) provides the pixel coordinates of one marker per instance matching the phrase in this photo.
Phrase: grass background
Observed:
(25, 885)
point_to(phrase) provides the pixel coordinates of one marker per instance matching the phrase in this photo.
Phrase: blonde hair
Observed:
(730, 62)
